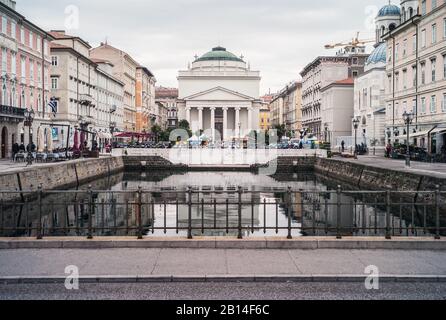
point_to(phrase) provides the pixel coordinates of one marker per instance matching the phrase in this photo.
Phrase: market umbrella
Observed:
(49, 142)
(40, 140)
(76, 141)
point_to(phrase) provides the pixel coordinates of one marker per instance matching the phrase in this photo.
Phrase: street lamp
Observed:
(408, 118)
(356, 126)
(29, 118)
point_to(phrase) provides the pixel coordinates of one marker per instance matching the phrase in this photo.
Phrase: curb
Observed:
(307, 243)
(224, 278)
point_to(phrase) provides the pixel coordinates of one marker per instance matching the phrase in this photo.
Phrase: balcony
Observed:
(86, 99)
(11, 114)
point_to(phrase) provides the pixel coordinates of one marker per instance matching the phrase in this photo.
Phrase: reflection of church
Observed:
(219, 94)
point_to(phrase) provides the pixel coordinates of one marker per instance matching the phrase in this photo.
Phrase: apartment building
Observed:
(145, 98)
(168, 98)
(124, 69)
(320, 73)
(416, 75)
(25, 64)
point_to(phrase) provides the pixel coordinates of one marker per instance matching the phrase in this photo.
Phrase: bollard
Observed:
(189, 228)
(388, 204)
(90, 213)
(338, 213)
(240, 191)
(39, 200)
(437, 211)
(289, 211)
(139, 213)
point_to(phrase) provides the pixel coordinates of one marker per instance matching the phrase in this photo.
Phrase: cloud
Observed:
(278, 37)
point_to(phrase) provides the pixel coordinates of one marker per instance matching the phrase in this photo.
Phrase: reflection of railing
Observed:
(223, 210)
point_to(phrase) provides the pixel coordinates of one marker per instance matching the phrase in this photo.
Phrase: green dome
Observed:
(219, 53)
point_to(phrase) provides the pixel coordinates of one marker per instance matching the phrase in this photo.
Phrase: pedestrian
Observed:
(15, 149)
(343, 146)
(388, 150)
(22, 147)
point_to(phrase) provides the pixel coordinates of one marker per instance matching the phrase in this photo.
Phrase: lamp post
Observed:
(356, 126)
(408, 118)
(29, 118)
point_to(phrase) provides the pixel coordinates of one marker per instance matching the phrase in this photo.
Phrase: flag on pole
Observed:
(53, 105)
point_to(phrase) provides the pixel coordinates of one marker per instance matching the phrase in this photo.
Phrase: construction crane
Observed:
(350, 46)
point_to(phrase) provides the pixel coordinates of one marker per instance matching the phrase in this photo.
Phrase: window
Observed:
(405, 79)
(54, 61)
(404, 47)
(444, 28)
(54, 83)
(13, 95)
(423, 105)
(39, 44)
(423, 38)
(31, 71)
(39, 74)
(31, 40)
(414, 76)
(4, 93)
(4, 25)
(13, 30)
(397, 80)
(22, 35)
(414, 43)
(397, 50)
(423, 73)
(423, 7)
(433, 66)
(4, 60)
(23, 66)
(434, 4)
(13, 63)
(443, 103)
(414, 106)
(405, 106)
(433, 104)
(434, 33)
(444, 66)
(23, 99)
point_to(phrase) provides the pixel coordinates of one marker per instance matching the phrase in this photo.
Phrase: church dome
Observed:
(389, 10)
(378, 55)
(219, 54)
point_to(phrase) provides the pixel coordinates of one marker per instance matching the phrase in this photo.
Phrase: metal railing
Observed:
(12, 111)
(232, 211)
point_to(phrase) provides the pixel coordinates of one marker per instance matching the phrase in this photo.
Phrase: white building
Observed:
(370, 105)
(220, 95)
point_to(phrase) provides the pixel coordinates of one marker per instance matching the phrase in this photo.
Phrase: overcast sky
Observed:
(278, 37)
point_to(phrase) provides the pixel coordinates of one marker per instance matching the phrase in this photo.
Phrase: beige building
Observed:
(145, 98)
(87, 95)
(124, 68)
(320, 73)
(286, 108)
(168, 98)
(416, 75)
(337, 111)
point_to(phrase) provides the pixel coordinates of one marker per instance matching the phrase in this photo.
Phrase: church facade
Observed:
(220, 96)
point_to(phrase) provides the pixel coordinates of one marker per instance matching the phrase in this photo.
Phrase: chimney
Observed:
(62, 32)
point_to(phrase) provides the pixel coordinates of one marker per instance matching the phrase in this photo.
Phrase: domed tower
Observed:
(409, 8)
(389, 17)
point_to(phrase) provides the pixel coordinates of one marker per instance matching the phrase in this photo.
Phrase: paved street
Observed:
(432, 169)
(209, 262)
(226, 291)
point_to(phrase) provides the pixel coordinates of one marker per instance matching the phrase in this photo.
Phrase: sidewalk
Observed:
(437, 170)
(163, 264)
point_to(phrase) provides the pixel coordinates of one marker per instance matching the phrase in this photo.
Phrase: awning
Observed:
(425, 133)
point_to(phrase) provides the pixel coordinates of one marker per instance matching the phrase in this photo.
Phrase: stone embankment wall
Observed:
(374, 178)
(150, 163)
(59, 176)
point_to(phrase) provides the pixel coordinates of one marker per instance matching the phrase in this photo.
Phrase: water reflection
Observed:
(215, 211)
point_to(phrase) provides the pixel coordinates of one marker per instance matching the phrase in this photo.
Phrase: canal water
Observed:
(266, 208)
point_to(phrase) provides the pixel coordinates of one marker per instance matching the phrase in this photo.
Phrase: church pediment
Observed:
(219, 93)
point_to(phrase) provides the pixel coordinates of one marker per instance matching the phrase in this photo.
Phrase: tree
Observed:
(185, 125)
(281, 130)
(157, 130)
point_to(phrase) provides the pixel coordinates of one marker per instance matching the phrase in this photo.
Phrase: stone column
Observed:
(188, 116)
(249, 128)
(237, 121)
(225, 124)
(213, 123)
(200, 118)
